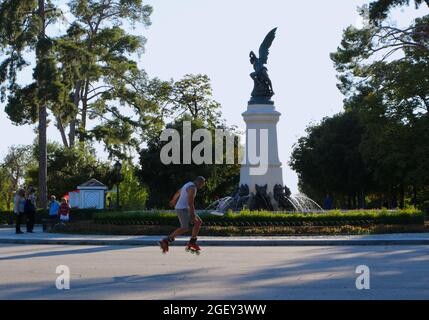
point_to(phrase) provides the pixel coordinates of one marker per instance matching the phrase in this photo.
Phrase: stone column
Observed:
(257, 118)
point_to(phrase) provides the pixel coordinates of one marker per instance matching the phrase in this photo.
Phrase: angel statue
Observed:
(263, 89)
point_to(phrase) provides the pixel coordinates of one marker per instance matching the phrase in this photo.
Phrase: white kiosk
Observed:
(92, 195)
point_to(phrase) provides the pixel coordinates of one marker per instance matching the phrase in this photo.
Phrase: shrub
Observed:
(265, 218)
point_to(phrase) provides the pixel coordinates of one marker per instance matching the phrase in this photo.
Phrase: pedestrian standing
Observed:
(328, 202)
(53, 206)
(64, 211)
(19, 208)
(30, 208)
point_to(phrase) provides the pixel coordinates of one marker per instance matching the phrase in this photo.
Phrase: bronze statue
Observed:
(263, 89)
(260, 200)
(281, 196)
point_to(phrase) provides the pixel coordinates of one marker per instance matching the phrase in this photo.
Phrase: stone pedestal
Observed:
(259, 117)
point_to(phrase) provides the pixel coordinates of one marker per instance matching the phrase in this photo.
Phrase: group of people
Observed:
(25, 205)
(58, 210)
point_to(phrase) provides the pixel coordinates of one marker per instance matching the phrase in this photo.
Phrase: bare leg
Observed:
(177, 233)
(197, 227)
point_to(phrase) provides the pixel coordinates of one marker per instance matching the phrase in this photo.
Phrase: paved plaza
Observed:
(142, 272)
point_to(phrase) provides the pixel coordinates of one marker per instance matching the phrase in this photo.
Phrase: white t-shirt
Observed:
(182, 202)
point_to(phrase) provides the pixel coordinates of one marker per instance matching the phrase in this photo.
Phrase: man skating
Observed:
(184, 204)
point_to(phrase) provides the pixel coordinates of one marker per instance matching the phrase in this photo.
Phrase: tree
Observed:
(92, 69)
(70, 167)
(23, 27)
(85, 74)
(391, 155)
(192, 95)
(4, 190)
(384, 75)
(328, 161)
(379, 9)
(163, 181)
(133, 195)
(96, 52)
(13, 171)
(189, 99)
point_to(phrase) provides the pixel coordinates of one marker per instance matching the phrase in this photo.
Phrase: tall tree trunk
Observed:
(43, 156)
(72, 133)
(76, 100)
(43, 172)
(9, 200)
(84, 111)
(62, 132)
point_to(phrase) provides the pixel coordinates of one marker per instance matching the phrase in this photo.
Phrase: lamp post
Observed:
(117, 167)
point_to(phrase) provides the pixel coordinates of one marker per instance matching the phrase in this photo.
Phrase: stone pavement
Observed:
(7, 235)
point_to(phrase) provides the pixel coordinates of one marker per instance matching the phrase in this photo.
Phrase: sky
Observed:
(214, 37)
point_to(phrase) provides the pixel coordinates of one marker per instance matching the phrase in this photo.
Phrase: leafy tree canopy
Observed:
(379, 9)
(68, 168)
(13, 170)
(133, 195)
(384, 76)
(164, 180)
(328, 159)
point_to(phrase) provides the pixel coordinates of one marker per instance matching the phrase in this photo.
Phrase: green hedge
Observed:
(260, 218)
(244, 218)
(8, 217)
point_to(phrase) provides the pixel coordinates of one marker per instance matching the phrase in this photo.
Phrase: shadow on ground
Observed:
(247, 273)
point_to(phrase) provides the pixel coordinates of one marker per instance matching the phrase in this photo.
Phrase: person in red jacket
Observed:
(64, 211)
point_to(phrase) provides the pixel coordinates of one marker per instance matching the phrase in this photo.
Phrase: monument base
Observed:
(273, 177)
(260, 117)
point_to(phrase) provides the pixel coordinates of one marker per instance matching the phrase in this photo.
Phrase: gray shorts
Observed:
(184, 218)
